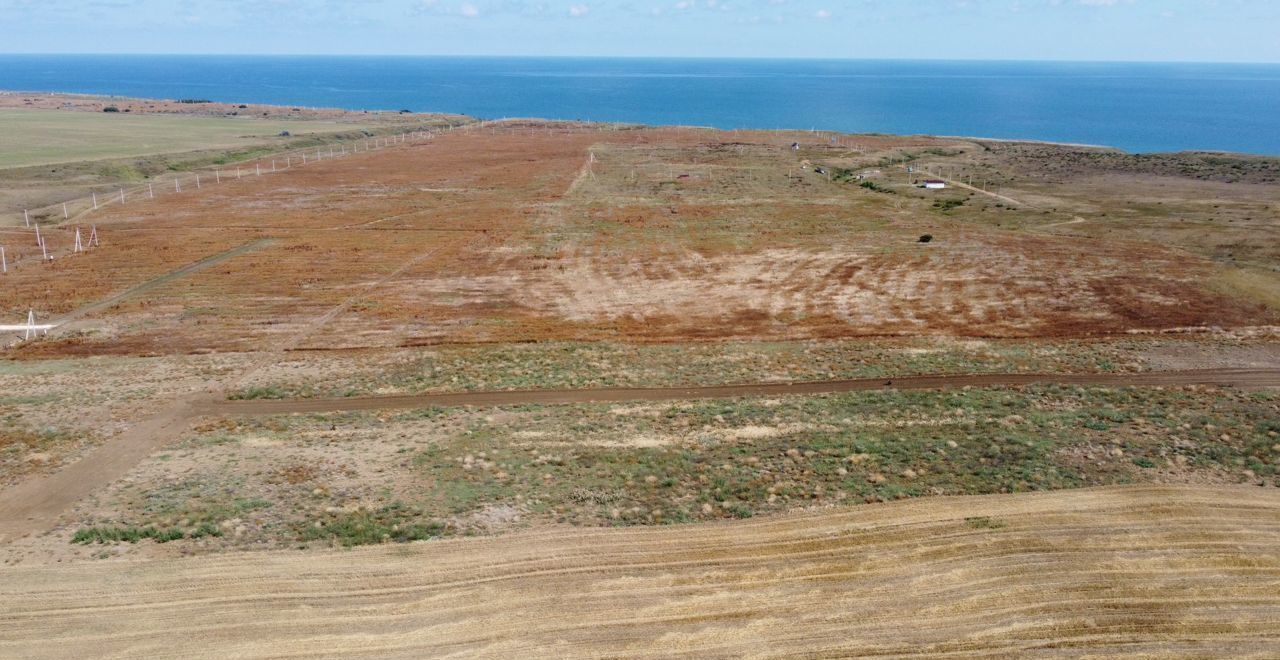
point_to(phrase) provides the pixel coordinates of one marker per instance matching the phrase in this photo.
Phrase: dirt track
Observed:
(1223, 377)
(1133, 571)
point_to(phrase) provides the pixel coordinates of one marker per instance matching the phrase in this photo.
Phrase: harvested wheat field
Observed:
(1128, 572)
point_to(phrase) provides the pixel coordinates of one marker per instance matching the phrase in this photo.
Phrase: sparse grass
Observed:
(850, 449)
(677, 462)
(1262, 286)
(559, 365)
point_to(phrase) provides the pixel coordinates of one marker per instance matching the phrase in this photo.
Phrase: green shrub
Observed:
(393, 522)
(267, 392)
(87, 535)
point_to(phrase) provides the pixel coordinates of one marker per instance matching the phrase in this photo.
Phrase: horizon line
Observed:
(647, 57)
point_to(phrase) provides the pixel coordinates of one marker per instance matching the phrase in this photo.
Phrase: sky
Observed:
(1106, 30)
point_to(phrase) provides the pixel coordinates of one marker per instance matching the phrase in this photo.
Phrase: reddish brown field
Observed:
(532, 234)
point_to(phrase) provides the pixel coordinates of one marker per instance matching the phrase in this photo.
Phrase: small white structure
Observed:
(935, 184)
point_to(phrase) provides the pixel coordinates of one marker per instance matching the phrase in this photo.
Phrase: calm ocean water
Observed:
(1137, 107)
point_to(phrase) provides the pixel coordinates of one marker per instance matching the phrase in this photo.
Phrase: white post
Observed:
(304, 159)
(151, 192)
(95, 201)
(64, 211)
(122, 195)
(273, 164)
(26, 217)
(79, 246)
(4, 263)
(177, 186)
(257, 169)
(217, 176)
(197, 182)
(93, 236)
(31, 326)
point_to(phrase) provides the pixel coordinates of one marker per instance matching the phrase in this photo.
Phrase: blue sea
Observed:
(1136, 107)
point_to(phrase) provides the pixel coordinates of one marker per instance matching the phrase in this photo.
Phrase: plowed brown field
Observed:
(1117, 572)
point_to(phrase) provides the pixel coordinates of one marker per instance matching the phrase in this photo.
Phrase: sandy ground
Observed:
(1134, 572)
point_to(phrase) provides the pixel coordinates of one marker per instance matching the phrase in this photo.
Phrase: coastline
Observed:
(81, 102)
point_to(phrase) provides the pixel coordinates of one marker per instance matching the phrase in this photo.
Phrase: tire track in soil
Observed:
(1244, 378)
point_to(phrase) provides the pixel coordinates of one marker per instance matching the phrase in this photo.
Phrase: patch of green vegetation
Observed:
(120, 172)
(945, 205)
(266, 392)
(205, 529)
(238, 156)
(87, 535)
(897, 159)
(392, 523)
(873, 186)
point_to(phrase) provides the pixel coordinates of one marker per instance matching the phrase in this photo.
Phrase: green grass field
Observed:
(45, 137)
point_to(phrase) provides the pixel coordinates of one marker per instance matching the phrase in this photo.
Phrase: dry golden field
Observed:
(1119, 572)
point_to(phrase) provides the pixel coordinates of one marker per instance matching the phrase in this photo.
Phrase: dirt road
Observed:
(1249, 378)
(1149, 571)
